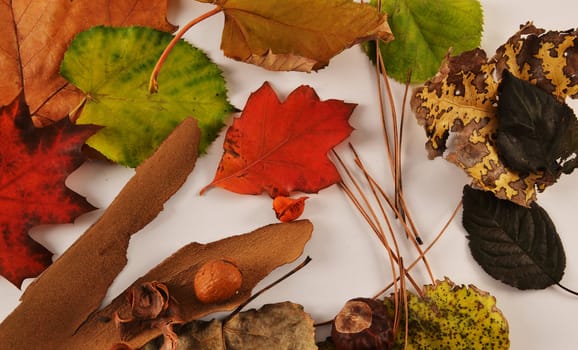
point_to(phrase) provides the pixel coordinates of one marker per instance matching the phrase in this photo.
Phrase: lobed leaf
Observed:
(112, 67)
(34, 165)
(424, 32)
(299, 35)
(281, 147)
(516, 245)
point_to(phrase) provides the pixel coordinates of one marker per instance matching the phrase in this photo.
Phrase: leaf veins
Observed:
(516, 245)
(281, 147)
(34, 164)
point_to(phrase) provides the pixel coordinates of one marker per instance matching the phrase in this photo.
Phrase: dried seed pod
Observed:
(217, 281)
(362, 324)
(288, 209)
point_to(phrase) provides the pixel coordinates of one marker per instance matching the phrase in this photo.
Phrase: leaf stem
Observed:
(266, 288)
(567, 289)
(429, 247)
(153, 81)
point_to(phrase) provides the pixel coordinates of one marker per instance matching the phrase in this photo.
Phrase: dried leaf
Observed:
(35, 164)
(536, 133)
(73, 287)
(195, 335)
(256, 254)
(36, 34)
(274, 326)
(458, 106)
(516, 245)
(288, 209)
(424, 31)
(112, 67)
(299, 35)
(547, 59)
(281, 147)
(453, 317)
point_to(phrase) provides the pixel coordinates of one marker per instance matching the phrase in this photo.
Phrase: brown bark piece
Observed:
(256, 254)
(72, 288)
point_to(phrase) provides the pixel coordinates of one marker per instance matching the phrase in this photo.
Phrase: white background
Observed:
(347, 259)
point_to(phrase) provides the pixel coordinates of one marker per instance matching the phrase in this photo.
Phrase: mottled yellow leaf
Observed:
(454, 317)
(458, 106)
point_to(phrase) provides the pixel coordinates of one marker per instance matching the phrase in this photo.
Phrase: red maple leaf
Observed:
(34, 164)
(281, 147)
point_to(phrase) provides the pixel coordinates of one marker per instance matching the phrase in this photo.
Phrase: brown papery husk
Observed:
(256, 254)
(54, 307)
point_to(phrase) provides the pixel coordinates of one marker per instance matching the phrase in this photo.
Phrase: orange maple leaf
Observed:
(281, 147)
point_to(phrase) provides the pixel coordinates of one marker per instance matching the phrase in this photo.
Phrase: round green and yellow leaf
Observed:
(112, 67)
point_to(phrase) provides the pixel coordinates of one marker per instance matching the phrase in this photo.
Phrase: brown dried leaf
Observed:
(274, 326)
(195, 335)
(458, 106)
(299, 35)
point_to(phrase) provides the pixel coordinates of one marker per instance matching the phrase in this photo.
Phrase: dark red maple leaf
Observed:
(281, 147)
(34, 164)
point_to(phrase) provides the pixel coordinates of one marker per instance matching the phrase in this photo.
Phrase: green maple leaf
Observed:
(453, 317)
(112, 67)
(424, 31)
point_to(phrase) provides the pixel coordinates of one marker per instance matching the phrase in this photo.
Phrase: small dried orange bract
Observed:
(288, 209)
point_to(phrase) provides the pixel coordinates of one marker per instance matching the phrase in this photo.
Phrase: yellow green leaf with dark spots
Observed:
(453, 317)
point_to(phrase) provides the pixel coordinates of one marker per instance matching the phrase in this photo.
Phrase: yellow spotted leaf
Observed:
(453, 317)
(458, 107)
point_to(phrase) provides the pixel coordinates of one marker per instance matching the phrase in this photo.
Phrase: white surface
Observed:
(347, 260)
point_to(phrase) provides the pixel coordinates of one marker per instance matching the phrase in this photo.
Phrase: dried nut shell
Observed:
(217, 281)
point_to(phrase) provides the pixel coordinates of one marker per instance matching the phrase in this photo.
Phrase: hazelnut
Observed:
(217, 281)
(362, 324)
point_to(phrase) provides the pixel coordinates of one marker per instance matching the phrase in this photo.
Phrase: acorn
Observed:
(362, 324)
(217, 281)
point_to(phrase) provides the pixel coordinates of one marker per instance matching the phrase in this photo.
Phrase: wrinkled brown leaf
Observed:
(73, 287)
(35, 35)
(274, 326)
(300, 35)
(461, 101)
(195, 335)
